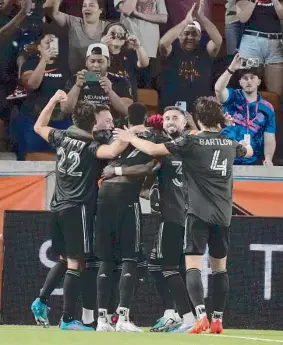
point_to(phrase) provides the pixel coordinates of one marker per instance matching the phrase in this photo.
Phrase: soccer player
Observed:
(118, 228)
(73, 202)
(102, 133)
(208, 181)
(168, 248)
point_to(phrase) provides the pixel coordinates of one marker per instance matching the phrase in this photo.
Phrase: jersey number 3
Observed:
(75, 160)
(215, 164)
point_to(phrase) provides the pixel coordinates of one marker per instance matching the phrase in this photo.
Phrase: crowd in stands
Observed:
(158, 52)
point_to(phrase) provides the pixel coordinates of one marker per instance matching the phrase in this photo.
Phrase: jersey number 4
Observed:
(74, 159)
(215, 164)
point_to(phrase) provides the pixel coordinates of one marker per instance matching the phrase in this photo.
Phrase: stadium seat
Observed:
(274, 99)
(150, 98)
(40, 156)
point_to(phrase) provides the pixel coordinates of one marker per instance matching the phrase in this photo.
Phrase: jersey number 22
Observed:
(75, 160)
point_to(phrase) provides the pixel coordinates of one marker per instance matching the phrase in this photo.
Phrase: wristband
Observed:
(118, 171)
(231, 72)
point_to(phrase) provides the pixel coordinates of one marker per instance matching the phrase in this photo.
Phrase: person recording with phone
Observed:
(98, 86)
(42, 75)
(127, 56)
(254, 117)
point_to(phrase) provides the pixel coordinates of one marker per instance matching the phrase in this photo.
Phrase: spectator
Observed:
(127, 55)
(42, 76)
(142, 18)
(108, 89)
(262, 38)
(233, 29)
(81, 31)
(187, 67)
(9, 33)
(254, 117)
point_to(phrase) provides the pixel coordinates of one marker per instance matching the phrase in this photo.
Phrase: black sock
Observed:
(194, 286)
(161, 286)
(112, 305)
(179, 291)
(72, 291)
(183, 274)
(104, 281)
(220, 290)
(141, 273)
(53, 279)
(89, 284)
(127, 283)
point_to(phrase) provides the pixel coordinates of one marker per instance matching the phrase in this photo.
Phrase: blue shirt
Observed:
(263, 121)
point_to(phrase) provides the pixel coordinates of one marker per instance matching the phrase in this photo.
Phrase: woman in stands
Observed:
(262, 38)
(42, 75)
(81, 31)
(126, 54)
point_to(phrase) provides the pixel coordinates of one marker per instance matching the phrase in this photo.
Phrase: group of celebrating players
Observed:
(97, 227)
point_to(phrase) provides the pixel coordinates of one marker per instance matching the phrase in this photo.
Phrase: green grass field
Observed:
(29, 335)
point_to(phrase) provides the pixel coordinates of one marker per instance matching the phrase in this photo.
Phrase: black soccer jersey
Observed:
(132, 156)
(77, 169)
(208, 174)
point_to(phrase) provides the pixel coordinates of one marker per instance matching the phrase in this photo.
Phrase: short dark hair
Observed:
(101, 4)
(209, 111)
(174, 107)
(257, 71)
(84, 115)
(137, 114)
(101, 107)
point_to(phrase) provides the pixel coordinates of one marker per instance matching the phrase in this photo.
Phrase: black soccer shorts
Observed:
(199, 234)
(168, 244)
(117, 230)
(72, 232)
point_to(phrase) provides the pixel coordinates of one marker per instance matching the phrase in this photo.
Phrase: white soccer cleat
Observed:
(104, 326)
(126, 326)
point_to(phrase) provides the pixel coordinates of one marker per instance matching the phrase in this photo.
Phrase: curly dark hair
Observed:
(84, 115)
(209, 111)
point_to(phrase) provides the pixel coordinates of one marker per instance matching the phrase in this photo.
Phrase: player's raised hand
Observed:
(125, 135)
(60, 96)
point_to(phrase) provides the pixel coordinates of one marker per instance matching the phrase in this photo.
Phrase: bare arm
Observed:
(220, 87)
(41, 126)
(214, 45)
(278, 8)
(143, 60)
(152, 17)
(120, 104)
(165, 44)
(127, 7)
(141, 170)
(149, 147)
(52, 10)
(13, 25)
(269, 146)
(111, 151)
(73, 96)
(33, 79)
(245, 9)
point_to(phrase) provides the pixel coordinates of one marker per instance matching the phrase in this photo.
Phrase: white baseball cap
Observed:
(97, 48)
(195, 25)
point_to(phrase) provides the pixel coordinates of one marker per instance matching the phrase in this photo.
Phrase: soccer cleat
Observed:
(216, 326)
(74, 326)
(164, 324)
(104, 326)
(182, 328)
(127, 326)
(200, 326)
(91, 325)
(40, 312)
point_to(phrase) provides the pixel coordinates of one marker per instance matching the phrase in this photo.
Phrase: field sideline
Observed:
(32, 335)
